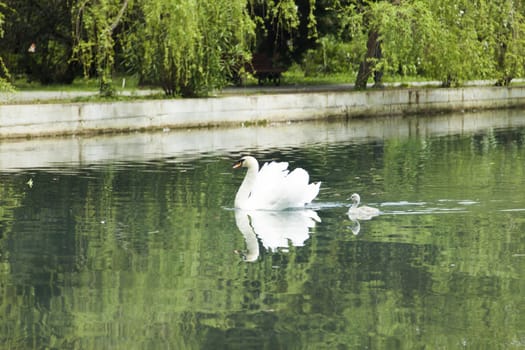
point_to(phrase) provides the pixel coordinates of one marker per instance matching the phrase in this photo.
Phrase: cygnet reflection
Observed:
(274, 229)
(355, 226)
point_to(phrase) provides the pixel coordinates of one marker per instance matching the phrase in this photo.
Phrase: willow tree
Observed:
(95, 22)
(442, 39)
(459, 50)
(279, 20)
(507, 38)
(384, 34)
(4, 73)
(188, 47)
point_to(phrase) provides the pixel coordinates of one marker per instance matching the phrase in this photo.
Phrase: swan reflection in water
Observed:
(355, 226)
(274, 229)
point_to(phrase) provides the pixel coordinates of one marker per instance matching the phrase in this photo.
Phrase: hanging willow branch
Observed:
(93, 32)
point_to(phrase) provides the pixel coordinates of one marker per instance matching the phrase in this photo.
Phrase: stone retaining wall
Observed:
(23, 120)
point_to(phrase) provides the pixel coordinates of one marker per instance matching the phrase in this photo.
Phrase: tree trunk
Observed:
(504, 79)
(366, 68)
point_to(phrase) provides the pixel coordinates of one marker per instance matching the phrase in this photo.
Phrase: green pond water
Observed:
(131, 242)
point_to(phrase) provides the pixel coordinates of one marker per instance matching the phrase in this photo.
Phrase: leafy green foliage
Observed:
(193, 47)
(506, 36)
(457, 53)
(451, 41)
(284, 13)
(94, 24)
(188, 47)
(4, 73)
(331, 56)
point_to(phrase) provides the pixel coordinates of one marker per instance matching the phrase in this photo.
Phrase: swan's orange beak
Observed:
(237, 164)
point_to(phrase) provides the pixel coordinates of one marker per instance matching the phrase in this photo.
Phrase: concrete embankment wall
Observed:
(21, 120)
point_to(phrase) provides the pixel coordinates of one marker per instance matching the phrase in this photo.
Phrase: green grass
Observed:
(122, 93)
(79, 84)
(297, 78)
(294, 76)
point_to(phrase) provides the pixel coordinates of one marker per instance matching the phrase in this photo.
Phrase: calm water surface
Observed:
(131, 242)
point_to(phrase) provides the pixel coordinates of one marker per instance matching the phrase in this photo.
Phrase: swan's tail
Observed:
(312, 191)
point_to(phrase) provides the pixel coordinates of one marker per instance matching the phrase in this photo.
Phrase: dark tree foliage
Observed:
(285, 29)
(38, 40)
(4, 73)
(192, 47)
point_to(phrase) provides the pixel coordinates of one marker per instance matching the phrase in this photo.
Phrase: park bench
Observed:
(265, 69)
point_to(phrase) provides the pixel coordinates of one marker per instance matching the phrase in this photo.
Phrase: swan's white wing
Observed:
(268, 186)
(277, 188)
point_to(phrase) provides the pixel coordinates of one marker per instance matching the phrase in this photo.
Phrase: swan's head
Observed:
(355, 198)
(246, 162)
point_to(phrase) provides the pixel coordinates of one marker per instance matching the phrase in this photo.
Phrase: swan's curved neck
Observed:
(243, 194)
(355, 203)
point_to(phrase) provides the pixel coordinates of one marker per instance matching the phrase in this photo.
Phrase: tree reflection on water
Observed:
(139, 253)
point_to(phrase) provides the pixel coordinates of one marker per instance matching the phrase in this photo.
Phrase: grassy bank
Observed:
(127, 88)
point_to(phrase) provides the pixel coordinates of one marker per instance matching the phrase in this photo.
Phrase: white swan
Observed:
(355, 212)
(274, 187)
